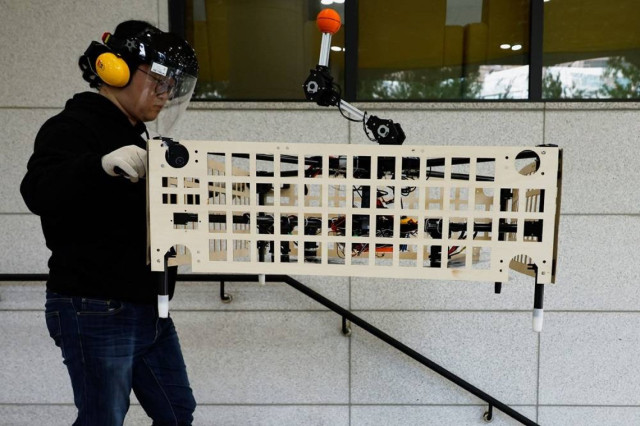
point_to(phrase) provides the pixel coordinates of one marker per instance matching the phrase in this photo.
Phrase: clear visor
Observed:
(165, 96)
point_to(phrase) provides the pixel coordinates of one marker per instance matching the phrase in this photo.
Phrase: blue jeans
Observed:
(111, 347)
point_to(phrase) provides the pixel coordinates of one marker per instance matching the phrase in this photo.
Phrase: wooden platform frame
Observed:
(207, 207)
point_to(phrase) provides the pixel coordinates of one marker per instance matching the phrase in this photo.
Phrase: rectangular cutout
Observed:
(240, 164)
(287, 252)
(218, 250)
(457, 257)
(386, 167)
(217, 193)
(362, 196)
(337, 225)
(384, 197)
(241, 223)
(169, 182)
(434, 198)
(335, 253)
(384, 226)
(481, 258)
(535, 200)
(433, 227)
(482, 229)
(289, 195)
(410, 167)
(241, 250)
(533, 230)
(265, 223)
(409, 197)
(435, 168)
(265, 250)
(185, 220)
(362, 167)
(507, 229)
(359, 253)
(484, 199)
(360, 225)
(384, 255)
(264, 165)
(216, 164)
(217, 222)
(432, 256)
(313, 166)
(288, 224)
(337, 196)
(485, 169)
(459, 198)
(409, 227)
(264, 192)
(312, 251)
(288, 165)
(460, 168)
(408, 255)
(458, 228)
(240, 193)
(312, 195)
(508, 200)
(313, 224)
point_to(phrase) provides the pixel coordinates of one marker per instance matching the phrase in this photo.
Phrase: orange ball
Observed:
(328, 21)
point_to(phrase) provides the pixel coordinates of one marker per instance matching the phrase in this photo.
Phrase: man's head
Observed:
(143, 70)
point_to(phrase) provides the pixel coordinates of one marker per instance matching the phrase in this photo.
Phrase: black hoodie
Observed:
(94, 224)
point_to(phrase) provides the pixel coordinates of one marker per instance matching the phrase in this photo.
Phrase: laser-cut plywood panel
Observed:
(430, 212)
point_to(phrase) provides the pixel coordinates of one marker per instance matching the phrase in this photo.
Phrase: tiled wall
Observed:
(274, 357)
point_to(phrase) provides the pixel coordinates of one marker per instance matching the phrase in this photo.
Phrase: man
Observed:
(85, 180)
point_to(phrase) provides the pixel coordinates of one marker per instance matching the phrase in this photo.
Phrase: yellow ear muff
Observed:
(112, 69)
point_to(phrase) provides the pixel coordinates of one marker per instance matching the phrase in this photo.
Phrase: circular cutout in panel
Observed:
(527, 162)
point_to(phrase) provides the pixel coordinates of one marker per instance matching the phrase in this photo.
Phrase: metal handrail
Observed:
(346, 314)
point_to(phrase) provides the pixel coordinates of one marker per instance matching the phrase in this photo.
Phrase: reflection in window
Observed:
(257, 49)
(417, 49)
(591, 49)
(443, 49)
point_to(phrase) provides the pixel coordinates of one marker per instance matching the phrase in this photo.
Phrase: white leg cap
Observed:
(538, 317)
(163, 306)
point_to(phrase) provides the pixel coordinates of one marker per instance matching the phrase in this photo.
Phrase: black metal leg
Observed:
(488, 415)
(346, 327)
(538, 311)
(226, 298)
(163, 288)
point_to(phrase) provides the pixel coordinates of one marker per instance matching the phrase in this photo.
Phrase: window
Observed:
(417, 50)
(257, 49)
(591, 49)
(443, 49)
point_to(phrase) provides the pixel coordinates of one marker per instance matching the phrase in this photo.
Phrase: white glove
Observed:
(131, 159)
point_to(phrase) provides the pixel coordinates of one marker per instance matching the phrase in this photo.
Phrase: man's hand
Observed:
(130, 159)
